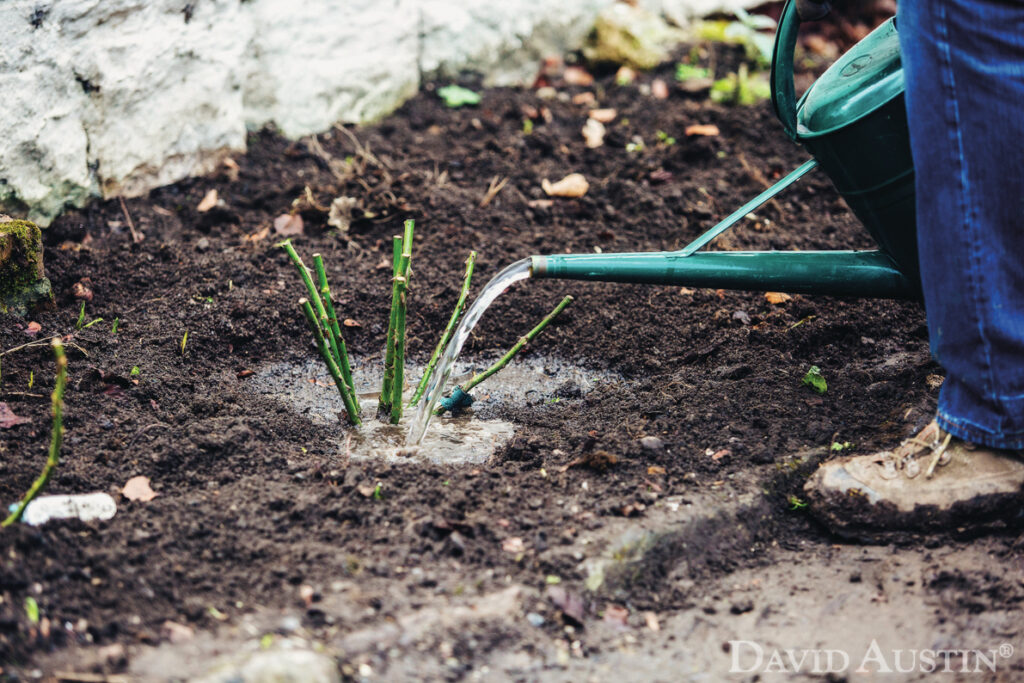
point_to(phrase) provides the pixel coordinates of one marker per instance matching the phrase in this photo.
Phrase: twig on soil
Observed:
(43, 342)
(332, 322)
(56, 434)
(143, 430)
(460, 307)
(136, 235)
(347, 396)
(460, 397)
(401, 287)
(493, 189)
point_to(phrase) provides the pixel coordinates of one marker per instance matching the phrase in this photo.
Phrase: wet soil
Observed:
(259, 512)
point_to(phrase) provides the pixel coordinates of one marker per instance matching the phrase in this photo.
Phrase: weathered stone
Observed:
(23, 284)
(631, 36)
(275, 666)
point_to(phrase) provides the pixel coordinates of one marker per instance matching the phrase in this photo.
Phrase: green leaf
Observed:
(795, 503)
(456, 96)
(32, 609)
(685, 72)
(815, 380)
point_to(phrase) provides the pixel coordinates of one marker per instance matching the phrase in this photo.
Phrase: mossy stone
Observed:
(23, 284)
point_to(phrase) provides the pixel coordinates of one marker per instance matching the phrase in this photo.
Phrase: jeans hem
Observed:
(975, 434)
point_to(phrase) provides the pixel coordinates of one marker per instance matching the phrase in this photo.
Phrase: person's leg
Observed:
(964, 67)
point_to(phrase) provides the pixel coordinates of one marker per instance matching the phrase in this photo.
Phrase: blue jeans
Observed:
(964, 67)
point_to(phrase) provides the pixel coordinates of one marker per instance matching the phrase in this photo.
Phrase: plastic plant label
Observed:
(86, 507)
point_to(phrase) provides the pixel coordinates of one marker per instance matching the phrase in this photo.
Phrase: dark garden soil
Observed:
(256, 501)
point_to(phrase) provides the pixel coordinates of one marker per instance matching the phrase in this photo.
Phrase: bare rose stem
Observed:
(460, 397)
(347, 396)
(384, 404)
(460, 307)
(56, 434)
(401, 287)
(332, 321)
(314, 297)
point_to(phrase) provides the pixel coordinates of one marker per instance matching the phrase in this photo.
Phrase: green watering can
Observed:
(853, 122)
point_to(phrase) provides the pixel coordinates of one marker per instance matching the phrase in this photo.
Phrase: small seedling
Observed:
(32, 609)
(31, 378)
(91, 323)
(113, 328)
(81, 317)
(378, 491)
(815, 380)
(836, 446)
(665, 138)
(685, 72)
(637, 145)
(795, 503)
(460, 397)
(56, 434)
(184, 341)
(135, 372)
(527, 126)
(741, 88)
(455, 96)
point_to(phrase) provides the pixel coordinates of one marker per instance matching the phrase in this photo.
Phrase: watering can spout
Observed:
(836, 273)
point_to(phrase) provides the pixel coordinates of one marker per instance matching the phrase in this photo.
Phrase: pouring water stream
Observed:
(520, 270)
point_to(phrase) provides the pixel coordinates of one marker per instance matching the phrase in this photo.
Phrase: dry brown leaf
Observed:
(624, 76)
(8, 419)
(572, 185)
(349, 322)
(33, 328)
(659, 89)
(208, 202)
(288, 225)
(604, 115)
(138, 489)
(583, 98)
(513, 544)
(651, 619)
(655, 469)
(593, 133)
(340, 215)
(777, 297)
(718, 455)
(706, 129)
(575, 75)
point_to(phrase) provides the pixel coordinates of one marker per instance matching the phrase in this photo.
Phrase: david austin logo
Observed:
(750, 657)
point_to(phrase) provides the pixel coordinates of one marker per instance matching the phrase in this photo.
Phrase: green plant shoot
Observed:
(815, 380)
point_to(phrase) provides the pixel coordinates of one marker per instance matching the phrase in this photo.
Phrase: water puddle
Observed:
(470, 438)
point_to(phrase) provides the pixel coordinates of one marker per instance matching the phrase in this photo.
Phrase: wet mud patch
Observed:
(472, 437)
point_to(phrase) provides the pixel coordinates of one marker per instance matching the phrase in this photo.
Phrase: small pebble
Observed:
(203, 244)
(652, 443)
(535, 619)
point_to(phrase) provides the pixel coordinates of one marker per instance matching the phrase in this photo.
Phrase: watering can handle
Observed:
(783, 90)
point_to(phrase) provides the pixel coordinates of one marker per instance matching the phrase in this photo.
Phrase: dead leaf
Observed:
(288, 225)
(659, 89)
(138, 489)
(82, 289)
(593, 133)
(349, 322)
(706, 129)
(616, 615)
(604, 115)
(719, 454)
(8, 419)
(242, 374)
(540, 204)
(572, 185)
(209, 201)
(176, 633)
(513, 545)
(32, 329)
(570, 604)
(651, 619)
(583, 98)
(340, 214)
(777, 297)
(575, 75)
(230, 169)
(655, 469)
(624, 76)
(934, 381)
(686, 291)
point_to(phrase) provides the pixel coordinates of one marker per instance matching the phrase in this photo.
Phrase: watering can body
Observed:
(853, 122)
